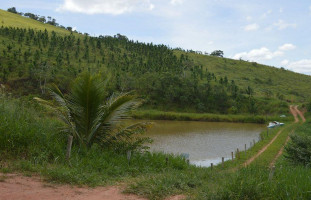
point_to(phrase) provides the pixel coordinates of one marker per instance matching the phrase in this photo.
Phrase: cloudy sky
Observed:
(276, 33)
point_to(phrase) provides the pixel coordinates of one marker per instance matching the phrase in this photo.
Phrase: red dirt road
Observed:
(294, 110)
(300, 114)
(17, 187)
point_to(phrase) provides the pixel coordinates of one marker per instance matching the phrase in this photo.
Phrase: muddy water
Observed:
(205, 142)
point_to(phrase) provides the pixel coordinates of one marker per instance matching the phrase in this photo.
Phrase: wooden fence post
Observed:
(232, 155)
(128, 156)
(267, 131)
(237, 153)
(69, 144)
(271, 173)
(212, 166)
(223, 162)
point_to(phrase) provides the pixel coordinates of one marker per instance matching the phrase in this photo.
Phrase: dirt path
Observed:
(300, 114)
(249, 161)
(17, 187)
(279, 153)
(295, 111)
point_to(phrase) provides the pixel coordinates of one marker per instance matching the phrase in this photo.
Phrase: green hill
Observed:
(8, 19)
(34, 54)
(264, 79)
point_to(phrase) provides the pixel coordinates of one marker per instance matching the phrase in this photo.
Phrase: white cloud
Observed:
(310, 8)
(175, 2)
(258, 54)
(281, 24)
(249, 18)
(284, 62)
(301, 66)
(281, 10)
(114, 7)
(251, 27)
(265, 15)
(287, 47)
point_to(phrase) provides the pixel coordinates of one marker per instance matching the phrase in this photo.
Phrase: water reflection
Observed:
(206, 142)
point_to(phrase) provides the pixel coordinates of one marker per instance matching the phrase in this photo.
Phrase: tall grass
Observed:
(162, 115)
(24, 132)
(253, 183)
(298, 151)
(29, 141)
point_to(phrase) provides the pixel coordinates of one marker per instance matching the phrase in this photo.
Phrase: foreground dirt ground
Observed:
(17, 187)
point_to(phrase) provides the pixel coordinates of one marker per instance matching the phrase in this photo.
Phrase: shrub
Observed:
(299, 149)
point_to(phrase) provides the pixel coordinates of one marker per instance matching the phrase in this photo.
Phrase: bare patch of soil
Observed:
(17, 187)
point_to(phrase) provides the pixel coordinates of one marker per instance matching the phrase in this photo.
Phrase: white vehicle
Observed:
(274, 124)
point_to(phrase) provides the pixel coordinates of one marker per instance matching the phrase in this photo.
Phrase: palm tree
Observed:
(90, 117)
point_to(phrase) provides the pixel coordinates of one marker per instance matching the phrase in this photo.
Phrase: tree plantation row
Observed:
(32, 59)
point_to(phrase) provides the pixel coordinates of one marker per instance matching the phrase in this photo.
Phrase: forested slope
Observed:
(34, 54)
(266, 80)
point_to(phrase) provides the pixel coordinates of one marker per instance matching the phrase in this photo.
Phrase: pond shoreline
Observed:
(206, 117)
(202, 141)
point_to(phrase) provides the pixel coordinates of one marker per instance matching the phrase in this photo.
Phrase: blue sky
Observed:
(275, 33)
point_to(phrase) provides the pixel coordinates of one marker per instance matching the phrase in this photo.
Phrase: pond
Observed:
(205, 142)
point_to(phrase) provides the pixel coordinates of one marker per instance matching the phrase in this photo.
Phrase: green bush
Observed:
(299, 150)
(26, 133)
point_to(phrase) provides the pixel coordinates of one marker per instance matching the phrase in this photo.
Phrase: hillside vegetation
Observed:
(13, 20)
(82, 136)
(34, 54)
(266, 80)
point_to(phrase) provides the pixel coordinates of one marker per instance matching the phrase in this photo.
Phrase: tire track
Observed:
(294, 110)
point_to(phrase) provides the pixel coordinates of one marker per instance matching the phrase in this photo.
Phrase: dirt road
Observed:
(295, 112)
(17, 187)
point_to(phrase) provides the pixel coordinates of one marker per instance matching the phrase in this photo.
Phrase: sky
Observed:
(275, 33)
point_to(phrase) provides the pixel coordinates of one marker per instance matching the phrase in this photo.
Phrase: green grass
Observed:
(32, 144)
(293, 86)
(246, 118)
(275, 147)
(13, 20)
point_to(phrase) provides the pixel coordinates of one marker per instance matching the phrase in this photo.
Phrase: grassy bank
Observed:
(31, 143)
(289, 181)
(162, 115)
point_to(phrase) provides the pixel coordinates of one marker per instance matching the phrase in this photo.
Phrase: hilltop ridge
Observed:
(35, 54)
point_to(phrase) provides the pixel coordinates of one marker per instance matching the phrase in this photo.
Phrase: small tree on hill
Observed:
(217, 53)
(12, 10)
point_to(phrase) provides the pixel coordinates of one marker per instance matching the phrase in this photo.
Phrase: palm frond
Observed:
(118, 108)
(89, 116)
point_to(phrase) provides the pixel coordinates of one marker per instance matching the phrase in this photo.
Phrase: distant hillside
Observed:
(265, 80)
(13, 20)
(34, 54)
